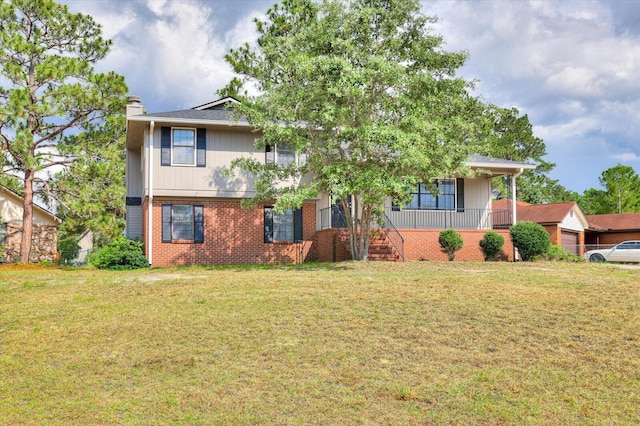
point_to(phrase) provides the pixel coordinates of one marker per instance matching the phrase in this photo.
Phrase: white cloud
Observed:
(627, 157)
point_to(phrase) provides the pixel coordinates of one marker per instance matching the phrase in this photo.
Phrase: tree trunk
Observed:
(27, 217)
(358, 229)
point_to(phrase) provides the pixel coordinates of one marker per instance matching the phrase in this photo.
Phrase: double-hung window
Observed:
(282, 227)
(182, 222)
(283, 155)
(183, 147)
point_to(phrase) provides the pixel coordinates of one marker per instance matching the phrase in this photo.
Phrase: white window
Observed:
(283, 155)
(183, 146)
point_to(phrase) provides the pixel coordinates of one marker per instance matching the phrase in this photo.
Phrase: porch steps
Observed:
(380, 248)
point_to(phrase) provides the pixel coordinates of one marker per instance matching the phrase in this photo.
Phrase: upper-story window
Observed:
(183, 147)
(283, 155)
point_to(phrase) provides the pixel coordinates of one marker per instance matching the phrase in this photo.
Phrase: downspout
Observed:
(150, 183)
(513, 206)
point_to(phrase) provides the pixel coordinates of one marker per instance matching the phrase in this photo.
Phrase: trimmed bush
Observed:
(491, 245)
(450, 242)
(121, 254)
(531, 239)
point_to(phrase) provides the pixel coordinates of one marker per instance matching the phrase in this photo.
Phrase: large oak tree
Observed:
(50, 95)
(365, 91)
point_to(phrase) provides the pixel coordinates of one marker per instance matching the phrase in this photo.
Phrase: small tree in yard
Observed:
(491, 245)
(531, 239)
(450, 242)
(366, 97)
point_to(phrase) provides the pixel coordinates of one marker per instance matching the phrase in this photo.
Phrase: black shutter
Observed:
(165, 145)
(268, 224)
(201, 148)
(166, 223)
(297, 225)
(269, 154)
(198, 223)
(460, 195)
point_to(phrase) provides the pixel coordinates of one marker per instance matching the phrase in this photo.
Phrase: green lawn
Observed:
(348, 343)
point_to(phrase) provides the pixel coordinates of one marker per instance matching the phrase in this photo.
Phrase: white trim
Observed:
(150, 206)
(190, 121)
(222, 101)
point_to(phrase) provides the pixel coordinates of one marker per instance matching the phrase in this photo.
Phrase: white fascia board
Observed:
(190, 121)
(500, 166)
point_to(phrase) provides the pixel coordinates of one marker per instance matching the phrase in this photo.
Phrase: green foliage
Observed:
(510, 136)
(450, 242)
(91, 194)
(68, 248)
(558, 253)
(121, 253)
(621, 193)
(365, 92)
(52, 102)
(531, 239)
(491, 245)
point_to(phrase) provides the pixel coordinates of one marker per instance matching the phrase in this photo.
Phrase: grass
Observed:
(378, 343)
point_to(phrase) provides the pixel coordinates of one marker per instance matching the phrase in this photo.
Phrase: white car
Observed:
(627, 251)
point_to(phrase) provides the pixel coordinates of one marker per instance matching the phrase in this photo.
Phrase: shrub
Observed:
(450, 242)
(531, 239)
(69, 249)
(120, 253)
(558, 253)
(491, 245)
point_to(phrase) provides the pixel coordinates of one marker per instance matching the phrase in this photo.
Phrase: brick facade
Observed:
(419, 244)
(611, 238)
(232, 235)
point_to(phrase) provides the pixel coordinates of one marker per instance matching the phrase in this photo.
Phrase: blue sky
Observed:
(572, 66)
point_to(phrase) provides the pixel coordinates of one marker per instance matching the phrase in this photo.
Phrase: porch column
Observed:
(513, 205)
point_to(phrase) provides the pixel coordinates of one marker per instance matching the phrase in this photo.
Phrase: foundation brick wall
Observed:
(419, 244)
(232, 235)
(44, 243)
(422, 244)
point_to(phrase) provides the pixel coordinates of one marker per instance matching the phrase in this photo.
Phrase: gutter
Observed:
(150, 183)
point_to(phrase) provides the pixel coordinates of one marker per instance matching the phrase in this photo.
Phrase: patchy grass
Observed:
(378, 343)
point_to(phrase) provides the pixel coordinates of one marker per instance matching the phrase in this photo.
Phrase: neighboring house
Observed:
(85, 244)
(186, 210)
(565, 222)
(45, 231)
(606, 230)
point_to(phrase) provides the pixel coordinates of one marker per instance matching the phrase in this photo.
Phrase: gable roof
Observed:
(17, 199)
(614, 222)
(218, 104)
(544, 214)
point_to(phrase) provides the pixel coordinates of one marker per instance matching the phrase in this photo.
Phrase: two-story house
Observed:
(186, 210)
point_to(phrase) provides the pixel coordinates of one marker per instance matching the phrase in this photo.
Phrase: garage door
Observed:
(570, 241)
